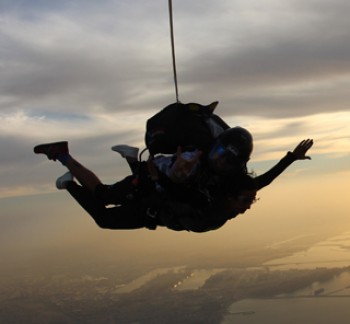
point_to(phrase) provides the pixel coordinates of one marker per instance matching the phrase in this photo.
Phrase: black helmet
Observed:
(231, 151)
(237, 140)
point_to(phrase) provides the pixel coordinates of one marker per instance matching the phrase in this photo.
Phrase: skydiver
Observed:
(140, 206)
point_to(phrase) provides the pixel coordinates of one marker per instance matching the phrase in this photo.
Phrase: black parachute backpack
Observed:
(185, 125)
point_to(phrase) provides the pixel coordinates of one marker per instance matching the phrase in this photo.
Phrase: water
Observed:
(320, 302)
(332, 253)
(289, 311)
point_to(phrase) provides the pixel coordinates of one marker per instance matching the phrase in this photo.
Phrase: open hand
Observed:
(300, 151)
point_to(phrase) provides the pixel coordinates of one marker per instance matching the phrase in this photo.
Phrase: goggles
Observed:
(229, 153)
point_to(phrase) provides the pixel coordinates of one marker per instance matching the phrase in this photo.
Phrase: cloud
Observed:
(268, 59)
(81, 58)
(285, 59)
(92, 73)
(90, 140)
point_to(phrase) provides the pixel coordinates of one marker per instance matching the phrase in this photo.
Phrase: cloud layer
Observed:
(94, 72)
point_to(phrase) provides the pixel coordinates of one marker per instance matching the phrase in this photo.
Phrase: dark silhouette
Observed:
(140, 204)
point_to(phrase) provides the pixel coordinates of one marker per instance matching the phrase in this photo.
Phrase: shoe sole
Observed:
(124, 150)
(61, 182)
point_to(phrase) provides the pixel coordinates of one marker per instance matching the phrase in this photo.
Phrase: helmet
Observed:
(231, 151)
(237, 140)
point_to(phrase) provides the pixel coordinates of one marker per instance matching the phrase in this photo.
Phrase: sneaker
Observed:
(52, 150)
(62, 181)
(126, 151)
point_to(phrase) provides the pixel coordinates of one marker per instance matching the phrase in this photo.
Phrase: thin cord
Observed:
(173, 48)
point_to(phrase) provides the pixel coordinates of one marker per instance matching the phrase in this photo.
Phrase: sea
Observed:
(322, 302)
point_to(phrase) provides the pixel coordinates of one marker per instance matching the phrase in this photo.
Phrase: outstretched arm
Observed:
(299, 153)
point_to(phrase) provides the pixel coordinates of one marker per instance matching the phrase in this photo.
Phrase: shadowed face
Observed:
(225, 160)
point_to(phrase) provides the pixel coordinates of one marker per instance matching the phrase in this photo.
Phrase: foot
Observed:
(126, 151)
(63, 180)
(52, 150)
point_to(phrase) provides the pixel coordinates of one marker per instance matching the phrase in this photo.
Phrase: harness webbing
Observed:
(173, 48)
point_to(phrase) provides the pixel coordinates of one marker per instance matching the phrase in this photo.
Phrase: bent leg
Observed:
(59, 151)
(86, 177)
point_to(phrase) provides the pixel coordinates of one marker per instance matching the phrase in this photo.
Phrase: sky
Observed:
(93, 72)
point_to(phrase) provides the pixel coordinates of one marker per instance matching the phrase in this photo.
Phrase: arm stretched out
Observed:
(299, 153)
